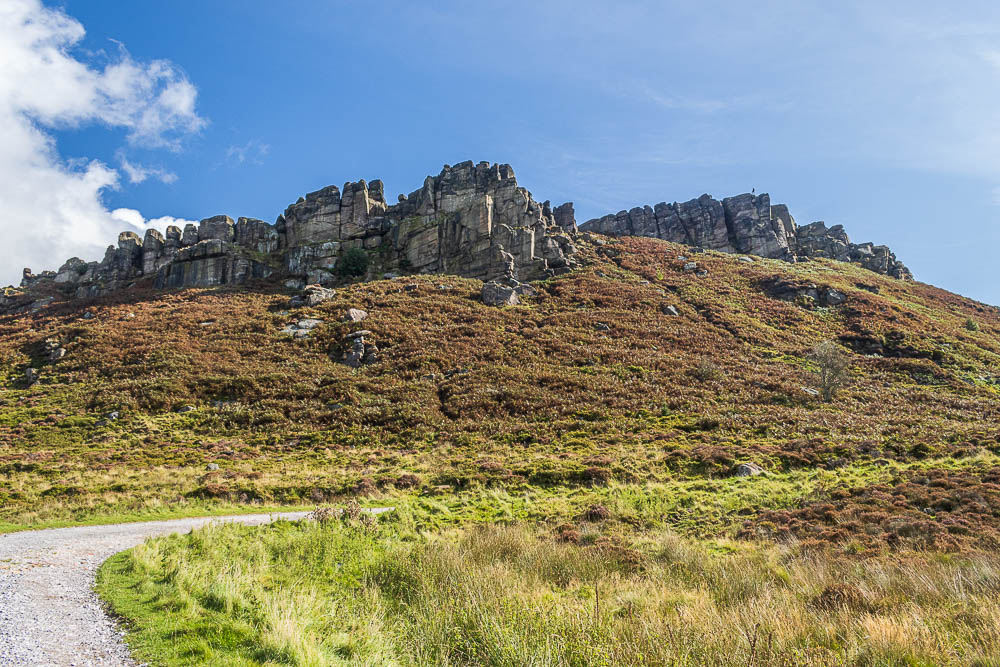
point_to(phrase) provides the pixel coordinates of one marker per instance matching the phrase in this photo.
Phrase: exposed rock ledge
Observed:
(471, 220)
(746, 224)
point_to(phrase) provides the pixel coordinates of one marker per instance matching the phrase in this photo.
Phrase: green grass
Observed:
(343, 594)
(162, 513)
(693, 506)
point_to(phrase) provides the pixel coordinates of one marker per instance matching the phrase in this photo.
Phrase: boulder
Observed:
(833, 297)
(748, 470)
(363, 333)
(497, 294)
(38, 304)
(354, 315)
(312, 295)
(804, 294)
(301, 328)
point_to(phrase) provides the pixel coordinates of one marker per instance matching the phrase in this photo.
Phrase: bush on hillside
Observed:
(353, 264)
(833, 365)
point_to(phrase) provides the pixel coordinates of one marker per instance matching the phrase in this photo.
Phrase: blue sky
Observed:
(882, 116)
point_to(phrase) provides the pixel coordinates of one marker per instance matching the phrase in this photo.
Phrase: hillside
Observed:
(568, 467)
(591, 391)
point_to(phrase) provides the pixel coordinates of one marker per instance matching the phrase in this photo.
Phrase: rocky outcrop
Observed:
(747, 224)
(816, 240)
(475, 221)
(804, 294)
(471, 220)
(564, 216)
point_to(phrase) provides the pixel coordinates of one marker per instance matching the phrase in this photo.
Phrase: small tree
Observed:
(353, 263)
(832, 368)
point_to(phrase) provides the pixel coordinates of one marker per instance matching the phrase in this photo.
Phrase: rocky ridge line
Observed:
(471, 220)
(749, 224)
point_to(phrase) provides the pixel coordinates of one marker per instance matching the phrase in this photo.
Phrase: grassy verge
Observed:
(347, 593)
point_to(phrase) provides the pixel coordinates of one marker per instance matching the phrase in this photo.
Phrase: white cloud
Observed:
(132, 217)
(251, 152)
(138, 173)
(52, 206)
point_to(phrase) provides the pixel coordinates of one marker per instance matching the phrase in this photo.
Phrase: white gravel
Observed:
(49, 614)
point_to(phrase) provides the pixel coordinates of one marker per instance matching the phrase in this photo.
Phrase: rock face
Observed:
(471, 220)
(747, 224)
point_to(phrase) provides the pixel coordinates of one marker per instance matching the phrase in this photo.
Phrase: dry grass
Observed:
(329, 594)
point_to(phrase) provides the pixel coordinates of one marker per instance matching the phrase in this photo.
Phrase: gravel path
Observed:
(49, 614)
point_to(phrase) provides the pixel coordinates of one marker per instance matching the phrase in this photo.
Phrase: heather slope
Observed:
(591, 391)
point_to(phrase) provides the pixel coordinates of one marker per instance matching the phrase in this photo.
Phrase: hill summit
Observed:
(471, 220)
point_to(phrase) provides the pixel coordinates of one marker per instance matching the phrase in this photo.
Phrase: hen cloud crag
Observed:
(471, 220)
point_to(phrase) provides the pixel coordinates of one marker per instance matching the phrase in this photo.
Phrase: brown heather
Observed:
(527, 412)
